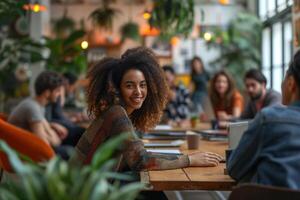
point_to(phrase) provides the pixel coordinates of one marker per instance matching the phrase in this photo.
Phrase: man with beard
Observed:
(30, 113)
(260, 97)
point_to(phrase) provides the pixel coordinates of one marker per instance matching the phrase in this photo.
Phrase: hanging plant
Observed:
(103, 17)
(130, 30)
(173, 17)
(63, 26)
(66, 54)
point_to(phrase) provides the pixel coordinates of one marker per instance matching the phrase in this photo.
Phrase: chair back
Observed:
(255, 191)
(25, 143)
(3, 116)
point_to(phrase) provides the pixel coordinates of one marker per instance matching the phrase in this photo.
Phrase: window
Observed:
(276, 39)
(281, 5)
(277, 56)
(266, 53)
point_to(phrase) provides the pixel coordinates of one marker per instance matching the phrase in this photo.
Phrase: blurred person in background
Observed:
(55, 112)
(177, 111)
(199, 78)
(29, 114)
(226, 100)
(259, 96)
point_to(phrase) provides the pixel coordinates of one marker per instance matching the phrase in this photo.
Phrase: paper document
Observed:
(163, 127)
(164, 151)
(175, 143)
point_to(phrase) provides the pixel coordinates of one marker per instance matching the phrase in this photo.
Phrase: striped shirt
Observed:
(133, 154)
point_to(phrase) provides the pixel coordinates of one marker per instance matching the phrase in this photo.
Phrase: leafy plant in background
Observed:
(130, 30)
(16, 54)
(240, 46)
(11, 8)
(63, 26)
(61, 180)
(66, 53)
(103, 16)
(173, 17)
(16, 51)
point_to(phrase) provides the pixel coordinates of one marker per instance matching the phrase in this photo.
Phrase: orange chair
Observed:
(3, 116)
(25, 143)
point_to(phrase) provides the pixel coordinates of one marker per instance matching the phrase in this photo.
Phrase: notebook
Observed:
(165, 135)
(216, 134)
(165, 151)
(175, 143)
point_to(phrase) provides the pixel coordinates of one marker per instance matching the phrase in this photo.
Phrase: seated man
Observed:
(30, 113)
(269, 151)
(260, 97)
(177, 111)
(54, 111)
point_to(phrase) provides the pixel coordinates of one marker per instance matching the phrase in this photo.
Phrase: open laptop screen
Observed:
(236, 130)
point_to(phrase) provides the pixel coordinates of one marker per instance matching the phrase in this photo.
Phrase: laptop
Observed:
(236, 131)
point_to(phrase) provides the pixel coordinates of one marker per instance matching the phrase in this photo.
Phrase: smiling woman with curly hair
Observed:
(101, 95)
(127, 94)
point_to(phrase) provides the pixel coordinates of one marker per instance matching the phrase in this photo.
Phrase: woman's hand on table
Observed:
(204, 159)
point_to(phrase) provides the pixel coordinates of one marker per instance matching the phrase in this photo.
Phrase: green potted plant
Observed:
(103, 16)
(194, 120)
(130, 30)
(66, 54)
(173, 17)
(60, 180)
(63, 26)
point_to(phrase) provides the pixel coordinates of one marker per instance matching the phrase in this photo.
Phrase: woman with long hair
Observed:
(199, 79)
(226, 100)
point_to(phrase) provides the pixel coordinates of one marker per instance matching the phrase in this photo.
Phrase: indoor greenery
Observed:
(63, 26)
(173, 17)
(11, 8)
(17, 50)
(240, 45)
(130, 30)
(60, 180)
(103, 16)
(66, 53)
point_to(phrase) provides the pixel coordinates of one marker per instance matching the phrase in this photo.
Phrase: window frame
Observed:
(282, 17)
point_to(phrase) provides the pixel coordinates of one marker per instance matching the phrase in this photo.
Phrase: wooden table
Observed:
(192, 178)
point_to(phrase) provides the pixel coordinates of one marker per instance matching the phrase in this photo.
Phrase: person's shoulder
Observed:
(273, 110)
(237, 95)
(30, 102)
(116, 111)
(26, 104)
(280, 113)
(273, 93)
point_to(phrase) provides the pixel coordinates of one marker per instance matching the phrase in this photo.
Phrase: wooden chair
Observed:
(255, 191)
(25, 143)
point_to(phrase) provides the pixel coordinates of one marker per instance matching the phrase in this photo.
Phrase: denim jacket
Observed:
(269, 151)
